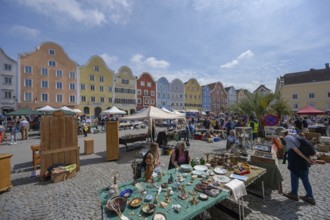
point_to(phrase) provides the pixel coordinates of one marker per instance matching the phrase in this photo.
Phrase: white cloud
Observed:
(245, 55)
(150, 62)
(86, 12)
(109, 60)
(25, 31)
(230, 64)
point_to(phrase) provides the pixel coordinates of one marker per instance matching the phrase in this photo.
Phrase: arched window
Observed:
(86, 110)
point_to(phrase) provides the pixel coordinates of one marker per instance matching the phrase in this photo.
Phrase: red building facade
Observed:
(146, 91)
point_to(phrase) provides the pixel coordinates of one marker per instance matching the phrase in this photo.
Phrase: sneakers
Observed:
(291, 196)
(308, 199)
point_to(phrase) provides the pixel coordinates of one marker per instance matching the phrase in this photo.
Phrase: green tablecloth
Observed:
(272, 178)
(188, 211)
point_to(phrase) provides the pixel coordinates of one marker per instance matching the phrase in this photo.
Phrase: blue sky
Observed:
(242, 43)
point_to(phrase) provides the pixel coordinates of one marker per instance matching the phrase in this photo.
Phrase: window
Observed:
(311, 95)
(59, 98)
(142, 83)
(82, 86)
(44, 84)
(7, 67)
(102, 99)
(312, 104)
(44, 71)
(101, 79)
(328, 94)
(83, 98)
(294, 96)
(125, 81)
(110, 100)
(101, 88)
(51, 52)
(59, 73)
(152, 93)
(139, 101)
(7, 95)
(7, 80)
(51, 63)
(86, 110)
(72, 98)
(92, 98)
(152, 101)
(145, 92)
(139, 91)
(91, 77)
(59, 85)
(109, 89)
(149, 84)
(96, 68)
(146, 101)
(27, 69)
(44, 97)
(92, 87)
(27, 96)
(72, 75)
(28, 83)
(72, 86)
(295, 106)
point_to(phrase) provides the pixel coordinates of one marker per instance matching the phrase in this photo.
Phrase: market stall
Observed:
(174, 194)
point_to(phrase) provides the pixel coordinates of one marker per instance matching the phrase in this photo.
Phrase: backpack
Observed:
(306, 147)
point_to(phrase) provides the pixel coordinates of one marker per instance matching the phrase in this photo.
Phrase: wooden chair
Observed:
(35, 156)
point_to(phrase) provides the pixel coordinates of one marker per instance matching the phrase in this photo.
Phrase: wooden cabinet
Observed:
(5, 172)
(112, 133)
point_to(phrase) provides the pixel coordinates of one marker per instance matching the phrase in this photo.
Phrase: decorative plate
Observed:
(126, 193)
(219, 170)
(159, 216)
(186, 167)
(203, 196)
(136, 202)
(198, 172)
(221, 178)
(200, 167)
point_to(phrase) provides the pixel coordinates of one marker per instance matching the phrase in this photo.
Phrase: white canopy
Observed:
(66, 108)
(114, 110)
(178, 113)
(76, 110)
(47, 108)
(151, 113)
(166, 110)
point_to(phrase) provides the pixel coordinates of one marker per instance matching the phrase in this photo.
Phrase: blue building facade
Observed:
(163, 93)
(206, 98)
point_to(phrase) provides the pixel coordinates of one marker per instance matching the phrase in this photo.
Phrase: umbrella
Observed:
(47, 108)
(24, 111)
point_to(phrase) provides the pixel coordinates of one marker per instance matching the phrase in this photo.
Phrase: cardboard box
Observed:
(263, 157)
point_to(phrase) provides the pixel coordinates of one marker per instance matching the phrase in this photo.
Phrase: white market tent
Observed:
(66, 108)
(178, 113)
(46, 108)
(152, 113)
(76, 110)
(114, 110)
(166, 110)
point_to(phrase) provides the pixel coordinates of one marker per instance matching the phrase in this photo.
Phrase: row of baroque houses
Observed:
(47, 76)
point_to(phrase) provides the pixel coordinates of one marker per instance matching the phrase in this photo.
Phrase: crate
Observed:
(61, 176)
(310, 135)
(89, 146)
(263, 157)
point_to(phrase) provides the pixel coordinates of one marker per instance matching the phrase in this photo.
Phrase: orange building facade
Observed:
(47, 76)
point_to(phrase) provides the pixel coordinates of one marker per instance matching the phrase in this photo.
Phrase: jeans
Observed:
(303, 175)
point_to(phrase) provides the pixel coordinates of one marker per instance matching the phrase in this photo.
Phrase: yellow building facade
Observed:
(306, 88)
(125, 90)
(193, 95)
(96, 87)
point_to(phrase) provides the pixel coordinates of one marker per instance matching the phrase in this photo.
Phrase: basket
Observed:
(63, 175)
(325, 157)
(322, 147)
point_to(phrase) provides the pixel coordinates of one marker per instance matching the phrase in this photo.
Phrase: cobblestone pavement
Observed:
(77, 198)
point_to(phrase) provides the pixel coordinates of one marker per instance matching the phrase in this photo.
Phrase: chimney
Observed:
(327, 66)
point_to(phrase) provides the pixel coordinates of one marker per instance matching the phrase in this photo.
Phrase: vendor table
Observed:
(188, 211)
(132, 138)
